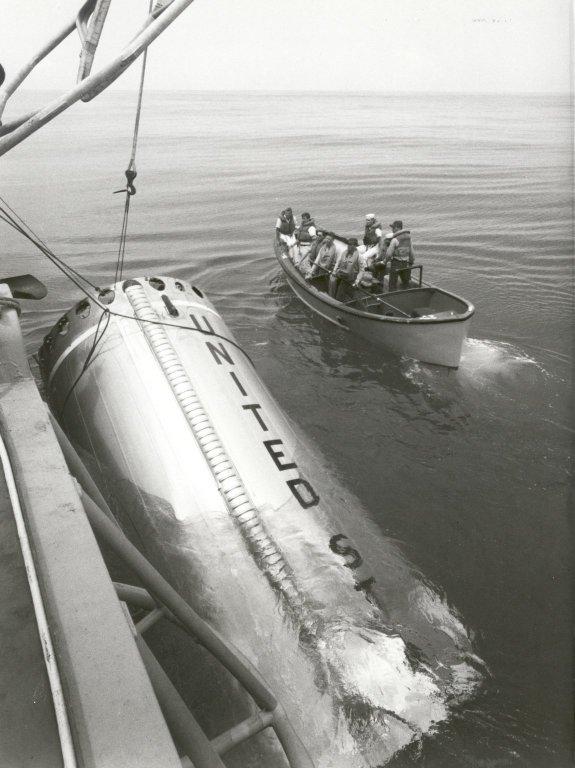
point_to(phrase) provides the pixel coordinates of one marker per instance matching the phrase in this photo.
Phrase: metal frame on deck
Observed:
(163, 601)
(89, 22)
(112, 711)
(102, 672)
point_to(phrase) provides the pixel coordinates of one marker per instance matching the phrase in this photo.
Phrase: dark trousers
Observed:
(339, 288)
(397, 271)
(379, 269)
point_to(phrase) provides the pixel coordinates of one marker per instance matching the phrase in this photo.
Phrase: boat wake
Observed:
(484, 361)
(485, 365)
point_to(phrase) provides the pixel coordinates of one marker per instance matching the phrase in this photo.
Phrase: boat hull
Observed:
(436, 339)
(289, 585)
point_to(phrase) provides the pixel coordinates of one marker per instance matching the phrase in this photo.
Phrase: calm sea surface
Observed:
(469, 469)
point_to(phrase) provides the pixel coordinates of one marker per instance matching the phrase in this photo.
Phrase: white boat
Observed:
(424, 322)
(207, 475)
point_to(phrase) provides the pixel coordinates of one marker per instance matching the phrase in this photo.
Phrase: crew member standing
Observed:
(345, 271)
(372, 233)
(401, 256)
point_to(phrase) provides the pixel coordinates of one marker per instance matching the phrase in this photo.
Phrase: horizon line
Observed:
(134, 89)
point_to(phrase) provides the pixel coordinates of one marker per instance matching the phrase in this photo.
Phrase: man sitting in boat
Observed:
(344, 272)
(316, 244)
(306, 232)
(401, 255)
(305, 236)
(285, 232)
(324, 260)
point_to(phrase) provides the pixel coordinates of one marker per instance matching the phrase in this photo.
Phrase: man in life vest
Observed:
(345, 271)
(401, 255)
(306, 232)
(324, 260)
(316, 244)
(306, 235)
(285, 231)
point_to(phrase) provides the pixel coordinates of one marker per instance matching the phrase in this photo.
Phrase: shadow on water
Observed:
(429, 391)
(490, 368)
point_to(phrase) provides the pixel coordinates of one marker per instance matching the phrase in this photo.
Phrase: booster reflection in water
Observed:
(215, 486)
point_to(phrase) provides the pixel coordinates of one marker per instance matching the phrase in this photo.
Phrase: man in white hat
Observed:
(373, 232)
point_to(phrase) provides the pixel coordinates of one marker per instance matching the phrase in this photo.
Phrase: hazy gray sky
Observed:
(386, 45)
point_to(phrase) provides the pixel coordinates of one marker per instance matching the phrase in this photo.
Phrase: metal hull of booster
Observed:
(316, 627)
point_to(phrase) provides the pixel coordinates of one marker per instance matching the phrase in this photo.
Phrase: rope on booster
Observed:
(131, 171)
(247, 517)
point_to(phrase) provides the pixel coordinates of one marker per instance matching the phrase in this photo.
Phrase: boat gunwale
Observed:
(291, 270)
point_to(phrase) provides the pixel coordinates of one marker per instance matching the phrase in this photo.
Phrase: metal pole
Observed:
(96, 83)
(242, 731)
(183, 726)
(135, 596)
(11, 85)
(141, 598)
(231, 657)
(367, 294)
(149, 620)
(78, 469)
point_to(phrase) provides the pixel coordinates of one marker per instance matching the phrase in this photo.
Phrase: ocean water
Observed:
(468, 470)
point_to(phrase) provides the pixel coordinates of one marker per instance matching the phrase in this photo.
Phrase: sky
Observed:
(467, 46)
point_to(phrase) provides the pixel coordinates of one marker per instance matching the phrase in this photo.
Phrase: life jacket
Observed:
(287, 226)
(369, 236)
(348, 266)
(403, 249)
(326, 256)
(303, 234)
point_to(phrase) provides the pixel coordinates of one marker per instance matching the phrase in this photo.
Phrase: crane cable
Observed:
(9, 215)
(131, 171)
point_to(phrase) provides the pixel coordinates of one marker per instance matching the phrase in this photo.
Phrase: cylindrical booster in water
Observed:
(213, 483)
